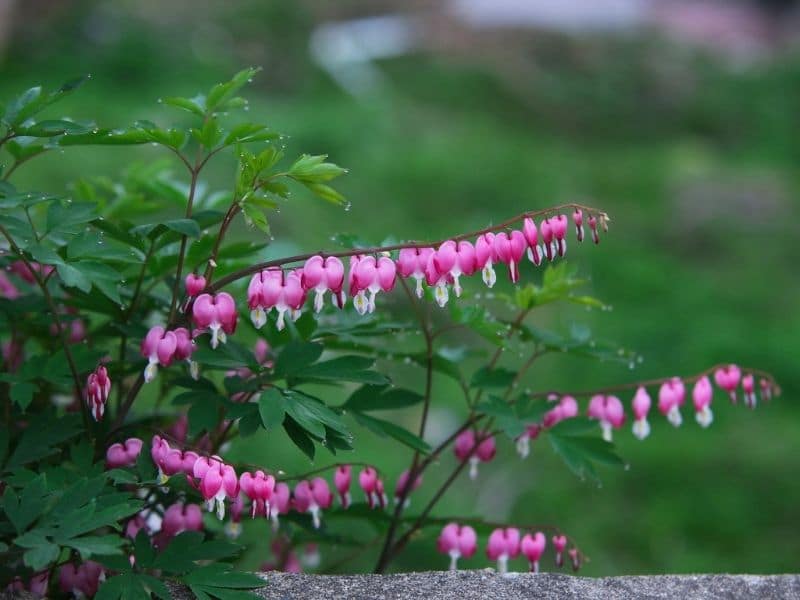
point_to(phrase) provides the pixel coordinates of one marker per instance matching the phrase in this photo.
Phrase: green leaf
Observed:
(295, 357)
(271, 408)
(314, 169)
(345, 368)
(299, 437)
(22, 511)
(255, 217)
(22, 394)
(92, 545)
(196, 105)
(312, 415)
(39, 557)
(487, 378)
(221, 93)
(379, 397)
(203, 416)
(579, 453)
(384, 428)
(327, 193)
(187, 548)
(107, 137)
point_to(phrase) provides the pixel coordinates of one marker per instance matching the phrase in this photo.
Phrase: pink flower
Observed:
(748, 387)
(368, 480)
(575, 558)
(671, 396)
(322, 275)
(82, 580)
(509, 249)
(412, 262)
(728, 379)
(532, 238)
(313, 496)
(567, 408)
(457, 541)
(171, 461)
(217, 482)
(465, 449)
(7, 288)
(158, 347)
(766, 389)
(502, 545)
(550, 248)
(641, 406)
(446, 265)
(262, 294)
(217, 313)
(485, 257)
(258, 487)
(195, 284)
(281, 502)
(98, 387)
(123, 454)
(181, 517)
(341, 481)
(524, 441)
(559, 225)
(184, 347)
(402, 487)
(609, 411)
(701, 396)
(370, 275)
(532, 547)
(560, 544)
(577, 218)
(593, 227)
(262, 352)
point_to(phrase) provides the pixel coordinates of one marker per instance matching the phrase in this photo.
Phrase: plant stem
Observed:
(182, 253)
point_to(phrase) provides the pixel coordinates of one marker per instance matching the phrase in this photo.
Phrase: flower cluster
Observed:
(503, 544)
(610, 412)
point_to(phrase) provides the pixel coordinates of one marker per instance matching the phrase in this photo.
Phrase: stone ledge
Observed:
(486, 584)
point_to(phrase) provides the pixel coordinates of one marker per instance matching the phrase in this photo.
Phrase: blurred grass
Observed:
(699, 170)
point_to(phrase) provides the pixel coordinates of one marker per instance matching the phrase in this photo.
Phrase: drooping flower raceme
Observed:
(313, 496)
(98, 387)
(532, 546)
(322, 275)
(641, 406)
(609, 411)
(702, 392)
(671, 396)
(217, 313)
(456, 541)
(503, 544)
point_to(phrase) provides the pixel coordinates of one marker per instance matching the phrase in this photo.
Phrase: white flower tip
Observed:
(150, 372)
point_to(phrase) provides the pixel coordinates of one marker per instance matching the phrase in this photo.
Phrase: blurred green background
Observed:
(687, 137)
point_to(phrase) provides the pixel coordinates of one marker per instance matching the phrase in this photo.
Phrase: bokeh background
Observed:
(681, 119)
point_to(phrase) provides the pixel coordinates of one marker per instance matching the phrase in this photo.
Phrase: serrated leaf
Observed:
(345, 368)
(379, 397)
(299, 437)
(295, 357)
(22, 394)
(497, 378)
